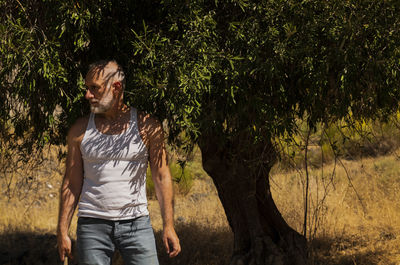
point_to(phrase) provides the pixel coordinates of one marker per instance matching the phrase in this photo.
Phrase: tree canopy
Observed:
(225, 66)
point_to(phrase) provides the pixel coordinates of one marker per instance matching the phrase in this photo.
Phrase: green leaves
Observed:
(220, 67)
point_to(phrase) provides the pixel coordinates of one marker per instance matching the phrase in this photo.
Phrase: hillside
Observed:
(354, 215)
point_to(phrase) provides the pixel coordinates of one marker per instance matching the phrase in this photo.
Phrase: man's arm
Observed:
(70, 189)
(162, 184)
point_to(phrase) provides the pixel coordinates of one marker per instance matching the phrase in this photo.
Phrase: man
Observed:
(108, 152)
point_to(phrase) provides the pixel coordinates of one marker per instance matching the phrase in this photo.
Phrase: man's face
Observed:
(99, 92)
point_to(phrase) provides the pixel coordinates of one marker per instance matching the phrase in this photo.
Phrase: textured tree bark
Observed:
(261, 235)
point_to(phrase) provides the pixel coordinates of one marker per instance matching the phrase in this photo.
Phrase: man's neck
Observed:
(115, 113)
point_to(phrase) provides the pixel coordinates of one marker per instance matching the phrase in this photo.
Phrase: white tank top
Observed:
(114, 184)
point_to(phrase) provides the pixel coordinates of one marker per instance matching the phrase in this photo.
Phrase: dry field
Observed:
(355, 222)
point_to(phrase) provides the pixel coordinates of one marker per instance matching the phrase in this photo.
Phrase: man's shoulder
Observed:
(77, 130)
(148, 121)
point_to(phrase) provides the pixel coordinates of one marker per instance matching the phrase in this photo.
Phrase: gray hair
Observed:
(100, 65)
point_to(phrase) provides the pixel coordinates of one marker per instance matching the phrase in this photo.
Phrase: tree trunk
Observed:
(261, 235)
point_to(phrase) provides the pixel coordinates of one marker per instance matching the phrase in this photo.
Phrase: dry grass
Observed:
(347, 228)
(344, 228)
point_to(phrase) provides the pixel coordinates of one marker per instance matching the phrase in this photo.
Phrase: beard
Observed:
(104, 104)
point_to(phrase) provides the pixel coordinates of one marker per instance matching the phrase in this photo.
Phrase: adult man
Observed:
(106, 167)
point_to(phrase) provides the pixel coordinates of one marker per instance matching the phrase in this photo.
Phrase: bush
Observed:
(182, 177)
(344, 139)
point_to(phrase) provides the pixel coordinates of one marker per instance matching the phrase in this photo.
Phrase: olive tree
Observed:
(228, 76)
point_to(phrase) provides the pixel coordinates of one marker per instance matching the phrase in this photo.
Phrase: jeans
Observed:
(97, 240)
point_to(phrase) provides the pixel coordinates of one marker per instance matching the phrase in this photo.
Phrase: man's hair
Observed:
(100, 65)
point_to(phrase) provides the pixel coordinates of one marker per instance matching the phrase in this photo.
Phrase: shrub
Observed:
(345, 139)
(182, 177)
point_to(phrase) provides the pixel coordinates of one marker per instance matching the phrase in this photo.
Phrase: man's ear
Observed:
(117, 85)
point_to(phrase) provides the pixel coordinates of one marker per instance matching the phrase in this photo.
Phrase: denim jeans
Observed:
(97, 240)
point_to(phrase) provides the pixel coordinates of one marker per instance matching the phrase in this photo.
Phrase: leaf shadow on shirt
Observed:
(123, 156)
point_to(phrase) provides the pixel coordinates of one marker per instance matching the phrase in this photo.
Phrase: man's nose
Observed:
(89, 95)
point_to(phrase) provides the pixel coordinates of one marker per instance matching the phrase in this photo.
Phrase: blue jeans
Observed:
(97, 240)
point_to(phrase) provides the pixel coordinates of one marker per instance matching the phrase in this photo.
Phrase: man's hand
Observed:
(64, 247)
(171, 242)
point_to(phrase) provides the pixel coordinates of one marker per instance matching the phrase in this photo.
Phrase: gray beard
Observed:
(104, 105)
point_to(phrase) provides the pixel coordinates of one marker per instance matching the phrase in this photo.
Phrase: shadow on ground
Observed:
(346, 251)
(28, 248)
(200, 246)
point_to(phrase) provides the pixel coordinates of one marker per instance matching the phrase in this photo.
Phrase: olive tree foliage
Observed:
(228, 75)
(263, 63)
(238, 66)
